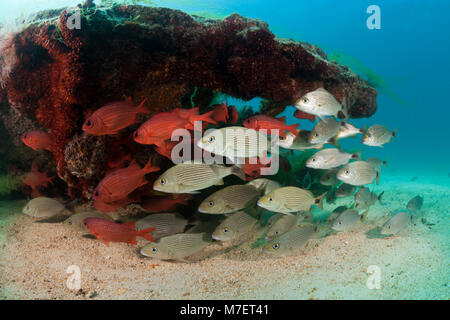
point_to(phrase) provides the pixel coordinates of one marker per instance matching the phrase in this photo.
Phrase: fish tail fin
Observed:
(50, 179)
(206, 117)
(364, 216)
(343, 113)
(144, 233)
(334, 141)
(141, 108)
(149, 168)
(357, 155)
(239, 172)
(363, 129)
(394, 133)
(319, 200)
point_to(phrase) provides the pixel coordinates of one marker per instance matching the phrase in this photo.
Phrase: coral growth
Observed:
(62, 74)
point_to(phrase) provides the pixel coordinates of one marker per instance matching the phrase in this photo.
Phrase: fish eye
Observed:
(340, 222)
(316, 135)
(305, 100)
(136, 134)
(347, 172)
(225, 230)
(276, 246)
(276, 232)
(211, 139)
(270, 199)
(88, 123)
(96, 193)
(369, 135)
(313, 159)
(154, 250)
(162, 181)
(70, 222)
(211, 203)
(25, 136)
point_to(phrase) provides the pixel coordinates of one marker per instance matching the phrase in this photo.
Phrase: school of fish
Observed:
(232, 195)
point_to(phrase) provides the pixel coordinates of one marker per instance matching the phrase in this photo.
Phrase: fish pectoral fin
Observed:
(219, 183)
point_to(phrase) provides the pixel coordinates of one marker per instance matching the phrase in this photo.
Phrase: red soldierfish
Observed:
(37, 140)
(35, 178)
(109, 231)
(260, 122)
(113, 117)
(166, 203)
(121, 182)
(161, 126)
(303, 115)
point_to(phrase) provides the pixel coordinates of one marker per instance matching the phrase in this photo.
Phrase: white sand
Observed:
(413, 264)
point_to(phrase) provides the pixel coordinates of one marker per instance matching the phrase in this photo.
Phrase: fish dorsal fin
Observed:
(283, 118)
(322, 89)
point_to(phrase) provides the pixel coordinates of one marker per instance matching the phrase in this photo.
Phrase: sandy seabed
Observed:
(415, 264)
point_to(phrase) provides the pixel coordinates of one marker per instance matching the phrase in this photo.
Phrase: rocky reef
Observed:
(53, 76)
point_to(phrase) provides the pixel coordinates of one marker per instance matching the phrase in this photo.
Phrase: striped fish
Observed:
(189, 177)
(290, 241)
(121, 182)
(299, 142)
(357, 173)
(290, 199)
(325, 130)
(177, 246)
(229, 199)
(397, 222)
(282, 225)
(235, 142)
(330, 158)
(234, 226)
(321, 103)
(377, 135)
(347, 219)
(165, 224)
